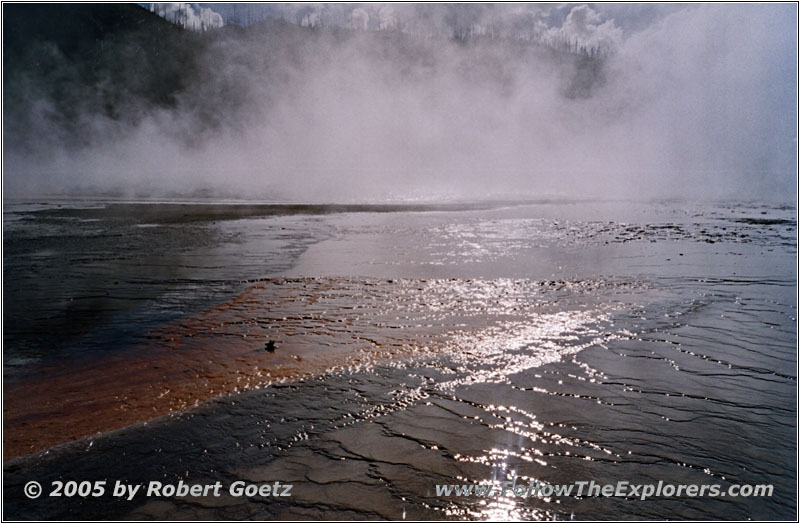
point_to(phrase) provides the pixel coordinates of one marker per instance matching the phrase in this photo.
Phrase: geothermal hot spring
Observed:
(380, 252)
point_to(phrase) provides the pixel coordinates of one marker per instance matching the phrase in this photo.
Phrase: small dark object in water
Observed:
(270, 346)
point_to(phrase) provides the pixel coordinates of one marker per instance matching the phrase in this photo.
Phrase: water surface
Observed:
(552, 342)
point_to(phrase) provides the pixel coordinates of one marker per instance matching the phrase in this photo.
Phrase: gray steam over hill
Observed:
(114, 100)
(66, 64)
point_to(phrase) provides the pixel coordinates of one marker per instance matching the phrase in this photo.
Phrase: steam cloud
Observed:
(420, 101)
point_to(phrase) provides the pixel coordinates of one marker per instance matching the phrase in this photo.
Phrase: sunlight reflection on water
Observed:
(493, 354)
(665, 348)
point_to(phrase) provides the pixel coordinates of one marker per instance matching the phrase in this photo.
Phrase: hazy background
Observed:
(350, 102)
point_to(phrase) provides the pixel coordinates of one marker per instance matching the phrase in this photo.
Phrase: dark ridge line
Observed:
(201, 211)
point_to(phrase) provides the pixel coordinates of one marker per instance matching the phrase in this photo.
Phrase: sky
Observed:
(685, 100)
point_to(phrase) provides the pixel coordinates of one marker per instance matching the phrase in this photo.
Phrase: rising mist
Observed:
(417, 102)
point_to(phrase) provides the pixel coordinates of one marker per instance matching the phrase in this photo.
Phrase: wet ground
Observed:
(550, 342)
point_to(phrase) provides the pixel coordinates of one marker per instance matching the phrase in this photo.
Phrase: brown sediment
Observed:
(211, 353)
(317, 324)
